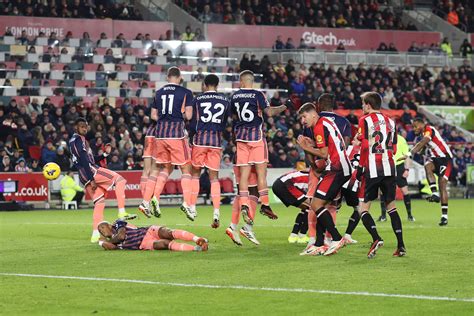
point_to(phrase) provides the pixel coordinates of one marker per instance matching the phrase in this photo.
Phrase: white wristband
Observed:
(101, 242)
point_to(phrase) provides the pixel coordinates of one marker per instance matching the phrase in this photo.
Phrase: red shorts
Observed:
(250, 153)
(313, 181)
(148, 150)
(252, 177)
(105, 180)
(150, 238)
(208, 157)
(174, 151)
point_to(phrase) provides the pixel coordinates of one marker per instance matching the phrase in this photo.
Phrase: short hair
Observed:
(307, 107)
(211, 80)
(246, 73)
(326, 101)
(79, 120)
(373, 99)
(418, 120)
(174, 72)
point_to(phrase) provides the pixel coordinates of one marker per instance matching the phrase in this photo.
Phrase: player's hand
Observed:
(108, 148)
(359, 172)
(405, 173)
(93, 185)
(402, 158)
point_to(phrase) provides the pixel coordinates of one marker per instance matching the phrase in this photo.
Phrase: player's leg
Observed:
(244, 193)
(232, 230)
(383, 210)
(144, 206)
(351, 201)
(147, 162)
(443, 189)
(266, 210)
(407, 202)
(163, 175)
(186, 180)
(215, 196)
(402, 183)
(430, 169)
(178, 234)
(195, 173)
(247, 229)
(98, 198)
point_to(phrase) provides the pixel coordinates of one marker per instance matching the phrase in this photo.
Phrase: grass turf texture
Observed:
(439, 263)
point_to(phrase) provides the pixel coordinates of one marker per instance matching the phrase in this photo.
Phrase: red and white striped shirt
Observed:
(379, 139)
(439, 148)
(327, 134)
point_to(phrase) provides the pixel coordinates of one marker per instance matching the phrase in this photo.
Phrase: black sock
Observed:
(407, 200)
(296, 226)
(396, 226)
(444, 209)
(353, 221)
(433, 187)
(383, 206)
(326, 221)
(304, 222)
(370, 225)
(319, 235)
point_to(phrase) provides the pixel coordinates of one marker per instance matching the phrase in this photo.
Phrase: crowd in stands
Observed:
(459, 13)
(84, 9)
(41, 126)
(365, 14)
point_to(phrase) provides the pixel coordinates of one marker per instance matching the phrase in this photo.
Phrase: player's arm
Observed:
(265, 105)
(309, 148)
(188, 106)
(347, 133)
(119, 236)
(420, 145)
(104, 155)
(108, 245)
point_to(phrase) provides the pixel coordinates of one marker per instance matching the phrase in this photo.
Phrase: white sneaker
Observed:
(327, 241)
(348, 239)
(95, 237)
(250, 235)
(215, 219)
(308, 250)
(188, 211)
(319, 251)
(145, 209)
(334, 247)
(234, 235)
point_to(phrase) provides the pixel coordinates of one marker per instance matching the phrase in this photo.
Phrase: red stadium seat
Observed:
(170, 188)
(25, 99)
(227, 185)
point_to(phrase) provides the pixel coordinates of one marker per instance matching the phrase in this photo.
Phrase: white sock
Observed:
(95, 233)
(195, 238)
(121, 210)
(444, 216)
(248, 227)
(348, 236)
(436, 193)
(312, 240)
(293, 235)
(216, 212)
(146, 203)
(233, 226)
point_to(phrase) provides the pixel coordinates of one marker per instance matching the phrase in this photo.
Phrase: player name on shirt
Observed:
(248, 105)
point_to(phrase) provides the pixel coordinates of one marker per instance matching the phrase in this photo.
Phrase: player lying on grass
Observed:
(121, 235)
(96, 180)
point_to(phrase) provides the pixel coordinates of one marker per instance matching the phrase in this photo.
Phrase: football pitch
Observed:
(48, 266)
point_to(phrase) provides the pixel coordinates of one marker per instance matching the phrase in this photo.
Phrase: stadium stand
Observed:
(46, 83)
(335, 14)
(71, 9)
(458, 13)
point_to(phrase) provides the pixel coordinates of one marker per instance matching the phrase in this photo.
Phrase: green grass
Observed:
(439, 263)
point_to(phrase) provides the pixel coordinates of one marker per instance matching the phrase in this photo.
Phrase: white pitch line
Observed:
(244, 287)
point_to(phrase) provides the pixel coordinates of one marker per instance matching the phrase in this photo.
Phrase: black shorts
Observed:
(369, 188)
(289, 195)
(330, 185)
(351, 197)
(443, 167)
(401, 180)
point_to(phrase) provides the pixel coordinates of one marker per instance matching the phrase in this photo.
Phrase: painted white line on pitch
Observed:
(244, 287)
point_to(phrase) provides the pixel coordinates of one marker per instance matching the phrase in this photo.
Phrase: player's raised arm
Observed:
(188, 106)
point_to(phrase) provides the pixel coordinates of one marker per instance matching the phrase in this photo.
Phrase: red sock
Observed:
(150, 188)
(195, 190)
(143, 185)
(235, 211)
(186, 186)
(264, 197)
(216, 194)
(183, 235)
(160, 183)
(244, 198)
(253, 206)
(176, 246)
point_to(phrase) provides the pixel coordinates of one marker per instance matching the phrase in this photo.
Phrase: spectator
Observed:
(453, 17)
(302, 44)
(226, 162)
(48, 152)
(414, 48)
(188, 35)
(62, 160)
(340, 47)
(70, 189)
(392, 48)
(282, 160)
(466, 49)
(115, 163)
(21, 165)
(279, 45)
(6, 166)
(289, 44)
(198, 76)
(446, 47)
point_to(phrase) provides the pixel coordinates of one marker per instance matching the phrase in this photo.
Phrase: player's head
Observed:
(246, 79)
(174, 75)
(105, 229)
(418, 125)
(81, 126)
(326, 102)
(308, 114)
(211, 82)
(371, 101)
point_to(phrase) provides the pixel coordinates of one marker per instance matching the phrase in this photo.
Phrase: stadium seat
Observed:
(34, 152)
(227, 185)
(170, 188)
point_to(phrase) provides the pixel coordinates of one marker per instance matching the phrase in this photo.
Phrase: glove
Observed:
(289, 104)
(359, 172)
